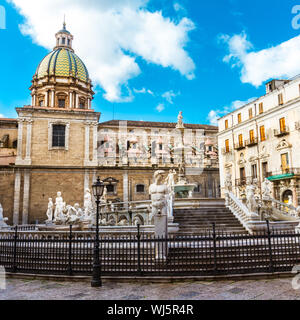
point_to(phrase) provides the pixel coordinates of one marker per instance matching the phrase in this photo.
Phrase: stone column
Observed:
(28, 141)
(95, 143)
(89, 103)
(86, 181)
(46, 98)
(26, 197)
(125, 189)
(34, 100)
(87, 143)
(20, 140)
(17, 197)
(77, 100)
(295, 195)
(71, 100)
(52, 98)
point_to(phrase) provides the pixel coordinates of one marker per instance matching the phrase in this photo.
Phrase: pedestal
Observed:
(161, 231)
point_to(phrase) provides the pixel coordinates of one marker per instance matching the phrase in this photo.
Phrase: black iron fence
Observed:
(209, 253)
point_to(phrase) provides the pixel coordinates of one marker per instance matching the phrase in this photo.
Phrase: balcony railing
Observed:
(251, 142)
(226, 151)
(293, 171)
(239, 146)
(282, 132)
(246, 180)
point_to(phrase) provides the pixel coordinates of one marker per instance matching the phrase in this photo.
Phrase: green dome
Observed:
(62, 63)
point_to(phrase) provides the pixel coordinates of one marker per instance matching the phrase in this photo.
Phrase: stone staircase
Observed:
(199, 220)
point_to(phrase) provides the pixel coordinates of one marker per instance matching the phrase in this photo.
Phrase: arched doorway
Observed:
(285, 196)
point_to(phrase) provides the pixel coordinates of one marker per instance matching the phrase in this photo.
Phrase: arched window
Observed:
(140, 188)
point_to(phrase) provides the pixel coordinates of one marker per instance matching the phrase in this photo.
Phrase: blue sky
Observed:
(220, 42)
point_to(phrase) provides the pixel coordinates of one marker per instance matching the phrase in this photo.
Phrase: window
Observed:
(61, 103)
(241, 140)
(160, 146)
(41, 103)
(251, 136)
(280, 99)
(69, 42)
(262, 133)
(261, 108)
(239, 118)
(265, 169)
(254, 171)
(282, 125)
(227, 145)
(63, 40)
(110, 188)
(15, 144)
(242, 174)
(59, 136)
(250, 113)
(226, 124)
(140, 188)
(285, 162)
(198, 188)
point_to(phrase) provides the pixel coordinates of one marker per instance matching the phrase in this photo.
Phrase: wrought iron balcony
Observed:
(251, 142)
(239, 146)
(282, 132)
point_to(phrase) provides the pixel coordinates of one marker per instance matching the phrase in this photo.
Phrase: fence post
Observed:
(15, 268)
(139, 249)
(271, 267)
(215, 248)
(70, 271)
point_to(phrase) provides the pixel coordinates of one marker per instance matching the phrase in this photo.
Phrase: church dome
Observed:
(62, 62)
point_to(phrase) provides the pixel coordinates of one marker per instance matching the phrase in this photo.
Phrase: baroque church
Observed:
(59, 144)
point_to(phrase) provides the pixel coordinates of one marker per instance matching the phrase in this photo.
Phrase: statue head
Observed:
(50, 199)
(87, 190)
(158, 175)
(59, 194)
(76, 206)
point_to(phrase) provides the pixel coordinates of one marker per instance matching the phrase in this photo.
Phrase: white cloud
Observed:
(160, 107)
(179, 8)
(170, 95)
(143, 91)
(1, 115)
(214, 115)
(109, 36)
(281, 61)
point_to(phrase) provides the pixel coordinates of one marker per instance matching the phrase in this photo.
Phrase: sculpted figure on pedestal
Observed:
(228, 181)
(251, 200)
(49, 212)
(266, 189)
(59, 206)
(158, 192)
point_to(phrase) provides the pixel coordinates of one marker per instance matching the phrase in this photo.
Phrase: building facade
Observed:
(262, 140)
(57, 144)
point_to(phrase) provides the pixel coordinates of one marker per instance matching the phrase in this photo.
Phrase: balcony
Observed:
(281, 132)
(226, 151)
(283, 173)
(239, 146)
(251, 142)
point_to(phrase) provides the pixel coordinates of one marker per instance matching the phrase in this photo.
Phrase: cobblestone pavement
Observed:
(271, 289)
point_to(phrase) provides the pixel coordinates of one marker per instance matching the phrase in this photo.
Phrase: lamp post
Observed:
(98, 188)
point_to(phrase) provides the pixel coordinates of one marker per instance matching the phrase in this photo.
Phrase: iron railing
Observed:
(209, 253)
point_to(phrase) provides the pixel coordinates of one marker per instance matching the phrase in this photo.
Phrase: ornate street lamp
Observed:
(98, 188)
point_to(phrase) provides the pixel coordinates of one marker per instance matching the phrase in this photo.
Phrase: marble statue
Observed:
(290, 201)
(137, 220)
(191, 193)
(266, 189)
(158, 192)
(59, 206)
(88, 204)
(104, 196)
(74, 214)
(251, 200)
(2, 219)
(170, 180)
(228, 181)
(180, 121)
(49, 212)
(123, 222)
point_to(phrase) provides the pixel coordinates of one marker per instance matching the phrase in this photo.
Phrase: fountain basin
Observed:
(182, 191)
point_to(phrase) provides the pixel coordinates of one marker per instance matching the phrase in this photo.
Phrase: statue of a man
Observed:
(104, 196)
(228, 182)
(266, 188)
(180, 121)
(49, 212)
(251, 201)
(59, 205)
(1, 213)
(158, 192)
(170, 180)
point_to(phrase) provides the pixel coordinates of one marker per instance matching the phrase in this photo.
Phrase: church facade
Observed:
(58, 144)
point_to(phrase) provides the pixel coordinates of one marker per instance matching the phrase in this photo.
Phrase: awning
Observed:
(281, 176)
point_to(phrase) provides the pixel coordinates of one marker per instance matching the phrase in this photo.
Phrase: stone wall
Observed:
(7, 179)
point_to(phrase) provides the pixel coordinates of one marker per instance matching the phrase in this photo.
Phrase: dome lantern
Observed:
(64, 39)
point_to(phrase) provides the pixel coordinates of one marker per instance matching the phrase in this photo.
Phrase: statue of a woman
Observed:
(88, 204)
(59, 206)
(49, 212)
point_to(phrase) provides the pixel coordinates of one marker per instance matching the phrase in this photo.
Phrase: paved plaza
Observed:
(271, 289)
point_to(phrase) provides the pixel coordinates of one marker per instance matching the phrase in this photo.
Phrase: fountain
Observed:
(182, 189)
